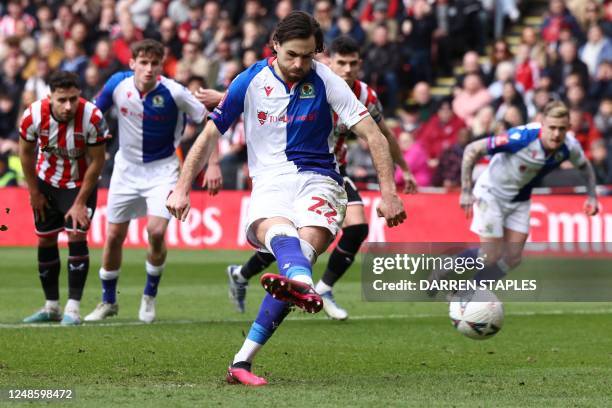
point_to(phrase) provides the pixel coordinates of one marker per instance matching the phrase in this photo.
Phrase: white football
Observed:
(478, 315)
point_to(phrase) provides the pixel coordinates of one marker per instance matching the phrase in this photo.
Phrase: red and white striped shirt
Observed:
(62, 145)
(367, 96)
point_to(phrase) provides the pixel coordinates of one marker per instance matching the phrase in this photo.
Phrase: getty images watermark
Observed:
(429, 271)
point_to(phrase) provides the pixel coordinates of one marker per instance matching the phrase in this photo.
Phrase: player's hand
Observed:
(466, 201)
(410, 185)
(591, 206)
(208, 97)
(78, 215)
(213, 180)
(392, 209)
(38, 202)
(178, 204)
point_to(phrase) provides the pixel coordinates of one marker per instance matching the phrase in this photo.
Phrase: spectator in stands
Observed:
(583, 129)
(92, 83)
(448, 171)
(505, 72)
(194, 61)
(128, 34)
(537, 49)
(450, 34)
(47, 50)
(346, 25)
(10, 79)
(500, 52)
(36, 86)
(607, 21)
(193, 21)
(513, 117)
(253, 36)
(157, 12)
(417, 33)
(75, 59)
(484, 123)
(440, 131)
(510, 97)
(80, 34)
(568, 63)
(380, 67)
(44, 16)
(471, 98)
(63, 21)
(8, 177)
(602, 85)
(9, 138)
(557, 19)
(603, 119)
(424, 103)
(415, 156)
(169, 38)
(541, 97)
(527, 70)
(376, 13)
(323, 12)
(14, 15)
(104, 60)
(178, 11)
(360, 166)
(601, 161)
(470, 65)
(597, 49)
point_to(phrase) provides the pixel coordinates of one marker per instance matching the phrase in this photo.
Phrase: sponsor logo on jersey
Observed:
(262, 117)
(307, 91)
(268, 90)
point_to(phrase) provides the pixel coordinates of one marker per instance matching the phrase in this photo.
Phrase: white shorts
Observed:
(140, 189)
(492, 215)
(306, 199)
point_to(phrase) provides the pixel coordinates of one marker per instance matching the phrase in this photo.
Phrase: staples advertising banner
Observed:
(219, 222)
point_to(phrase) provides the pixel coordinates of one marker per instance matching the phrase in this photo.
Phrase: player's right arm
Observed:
(178, 201)
(27, 156)
(472, 154)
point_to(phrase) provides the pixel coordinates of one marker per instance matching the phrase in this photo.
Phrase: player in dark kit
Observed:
(70, 134)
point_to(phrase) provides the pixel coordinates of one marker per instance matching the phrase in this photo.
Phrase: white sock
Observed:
(238, 276)
(72, 306)
(154, 270)
(307, 279)
(247, 352)
(52, 304)
(322, 287)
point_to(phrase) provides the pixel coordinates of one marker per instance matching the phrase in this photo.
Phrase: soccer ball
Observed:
(478, 315)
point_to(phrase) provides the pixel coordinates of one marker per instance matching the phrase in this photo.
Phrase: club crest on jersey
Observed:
(307, 91)
(262, 117)
(559, 156)
(158, 101)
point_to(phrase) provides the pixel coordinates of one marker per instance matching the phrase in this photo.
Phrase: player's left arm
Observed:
(410, 186)
(78, 211)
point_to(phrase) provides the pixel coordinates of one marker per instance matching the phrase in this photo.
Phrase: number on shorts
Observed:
(329, 213)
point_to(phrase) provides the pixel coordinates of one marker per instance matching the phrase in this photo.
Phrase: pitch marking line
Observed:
(299, 318)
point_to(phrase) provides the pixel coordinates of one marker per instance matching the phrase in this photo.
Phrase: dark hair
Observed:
(299, 25)
(147, 47)
(64, 80)
(344, 45)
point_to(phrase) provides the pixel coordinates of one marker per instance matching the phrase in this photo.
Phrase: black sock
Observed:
(49, 270)
(344, 253)
(78, 267)
(257, 263)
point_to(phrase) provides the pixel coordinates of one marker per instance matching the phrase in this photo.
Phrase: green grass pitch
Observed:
(388, 354)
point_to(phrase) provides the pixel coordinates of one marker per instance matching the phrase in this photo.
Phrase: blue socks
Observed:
(289, 257)
(271, 313)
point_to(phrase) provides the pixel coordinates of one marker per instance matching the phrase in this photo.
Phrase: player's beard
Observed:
(292, 75)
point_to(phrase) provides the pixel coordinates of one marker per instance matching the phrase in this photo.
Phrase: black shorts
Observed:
(351, 190)
(60, 200)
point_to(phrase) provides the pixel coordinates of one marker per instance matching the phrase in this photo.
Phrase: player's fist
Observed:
(213, 179)
(392, 209)
(591, 206)
(209, 97)
(466, 201)
(178, 204)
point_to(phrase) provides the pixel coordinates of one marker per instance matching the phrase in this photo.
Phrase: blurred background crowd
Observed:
(446, 71)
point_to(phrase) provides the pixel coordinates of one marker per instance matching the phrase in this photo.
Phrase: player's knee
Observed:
(47, 241)
(352, 237)
(115, 237)
(513, 261)
(156, 235)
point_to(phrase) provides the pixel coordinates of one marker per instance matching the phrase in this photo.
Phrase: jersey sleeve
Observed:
(514, 140)
(374, 106)
(97, 129)
(343, 101)
(104, 100)
(27, 128)
(232, 104)
(190, 105)
(576, 154)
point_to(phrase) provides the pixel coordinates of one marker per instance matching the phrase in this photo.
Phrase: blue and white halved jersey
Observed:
(289, 128)
(150, 125)
(519, 162)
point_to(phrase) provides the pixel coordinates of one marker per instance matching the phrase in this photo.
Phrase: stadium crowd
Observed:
(407, 45)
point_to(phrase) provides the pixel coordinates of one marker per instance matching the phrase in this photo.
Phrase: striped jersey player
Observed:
(70, 134)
